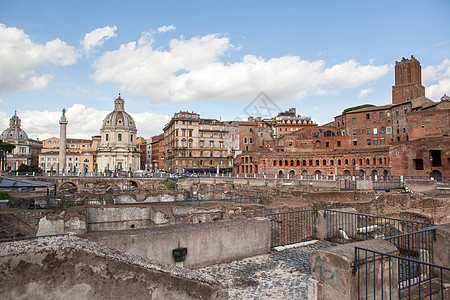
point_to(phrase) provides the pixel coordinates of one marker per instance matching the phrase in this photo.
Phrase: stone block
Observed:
(333, 270)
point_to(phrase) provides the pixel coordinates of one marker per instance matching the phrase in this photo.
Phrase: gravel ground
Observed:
(279, 275)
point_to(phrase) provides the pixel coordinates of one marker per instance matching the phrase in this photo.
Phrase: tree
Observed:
(4, 149)
(26, 168)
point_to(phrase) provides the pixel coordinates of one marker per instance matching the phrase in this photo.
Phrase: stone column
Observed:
(62, 142)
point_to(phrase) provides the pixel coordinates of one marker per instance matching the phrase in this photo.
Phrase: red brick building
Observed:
(408, 137)
(157, 146)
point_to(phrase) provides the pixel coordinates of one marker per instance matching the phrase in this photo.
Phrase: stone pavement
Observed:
(279, 275)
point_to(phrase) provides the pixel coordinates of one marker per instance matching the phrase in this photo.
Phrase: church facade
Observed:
(118, 150)
(26, 150)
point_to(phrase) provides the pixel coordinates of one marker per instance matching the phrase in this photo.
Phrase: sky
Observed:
(211, 57)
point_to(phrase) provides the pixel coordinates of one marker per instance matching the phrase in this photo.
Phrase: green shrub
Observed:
(5, 196)
(357, 107)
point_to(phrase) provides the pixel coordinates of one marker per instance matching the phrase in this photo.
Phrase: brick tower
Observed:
(408, 81)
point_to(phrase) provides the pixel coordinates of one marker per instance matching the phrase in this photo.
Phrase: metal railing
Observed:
(416, 245)
(387, 276)
(292, 227)
(31, 237)
(349, 226)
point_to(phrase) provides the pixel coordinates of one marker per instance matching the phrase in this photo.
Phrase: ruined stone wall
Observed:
(206, 243)
(18, 223)
(73, 268)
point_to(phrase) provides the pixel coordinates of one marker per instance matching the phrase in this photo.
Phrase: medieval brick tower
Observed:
(408, 81)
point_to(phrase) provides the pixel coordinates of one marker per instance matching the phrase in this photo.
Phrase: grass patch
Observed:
(5, 196)
(166, 182)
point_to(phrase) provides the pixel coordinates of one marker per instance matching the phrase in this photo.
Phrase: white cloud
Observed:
(97, 37)
(166, 28)
(84, 122)
(4, 121)
(432, 73)
(363, 94)
(196, 69)
(21, 59)
(149, 124)
(438, 78)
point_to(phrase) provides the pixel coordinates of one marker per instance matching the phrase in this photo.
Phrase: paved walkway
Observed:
(279, 275)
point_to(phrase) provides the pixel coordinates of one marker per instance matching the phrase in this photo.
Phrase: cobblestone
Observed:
(279, 275)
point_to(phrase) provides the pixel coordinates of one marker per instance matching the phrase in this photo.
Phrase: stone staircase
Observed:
(443, 187)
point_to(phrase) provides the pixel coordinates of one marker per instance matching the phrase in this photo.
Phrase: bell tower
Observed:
(408, 80)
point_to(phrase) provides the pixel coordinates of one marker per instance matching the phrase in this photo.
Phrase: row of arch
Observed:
(71, 187)
(329, 162)
(345, 173)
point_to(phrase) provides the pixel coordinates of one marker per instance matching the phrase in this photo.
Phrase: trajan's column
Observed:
(62, 142)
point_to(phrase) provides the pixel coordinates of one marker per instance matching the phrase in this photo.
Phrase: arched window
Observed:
(324, 162)
(106, 137)
(298, 163)
(281, 163)
(119, 137)
(360, 161)
(317, 162)
(304, 162)
(292, 163)
(310, 162)
(131, 137)
(286, 163)
(339, 162)
(367, 161)
(332, 162)
(274, 163)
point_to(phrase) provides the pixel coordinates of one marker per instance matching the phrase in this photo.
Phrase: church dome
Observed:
(14, 132)
(119, 119)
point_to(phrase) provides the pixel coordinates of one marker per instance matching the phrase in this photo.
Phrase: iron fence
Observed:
(388, 276)
(347, 185)
(350, 184)
(416, 245)
(349, 226)
(292, 227)
(387, 185)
